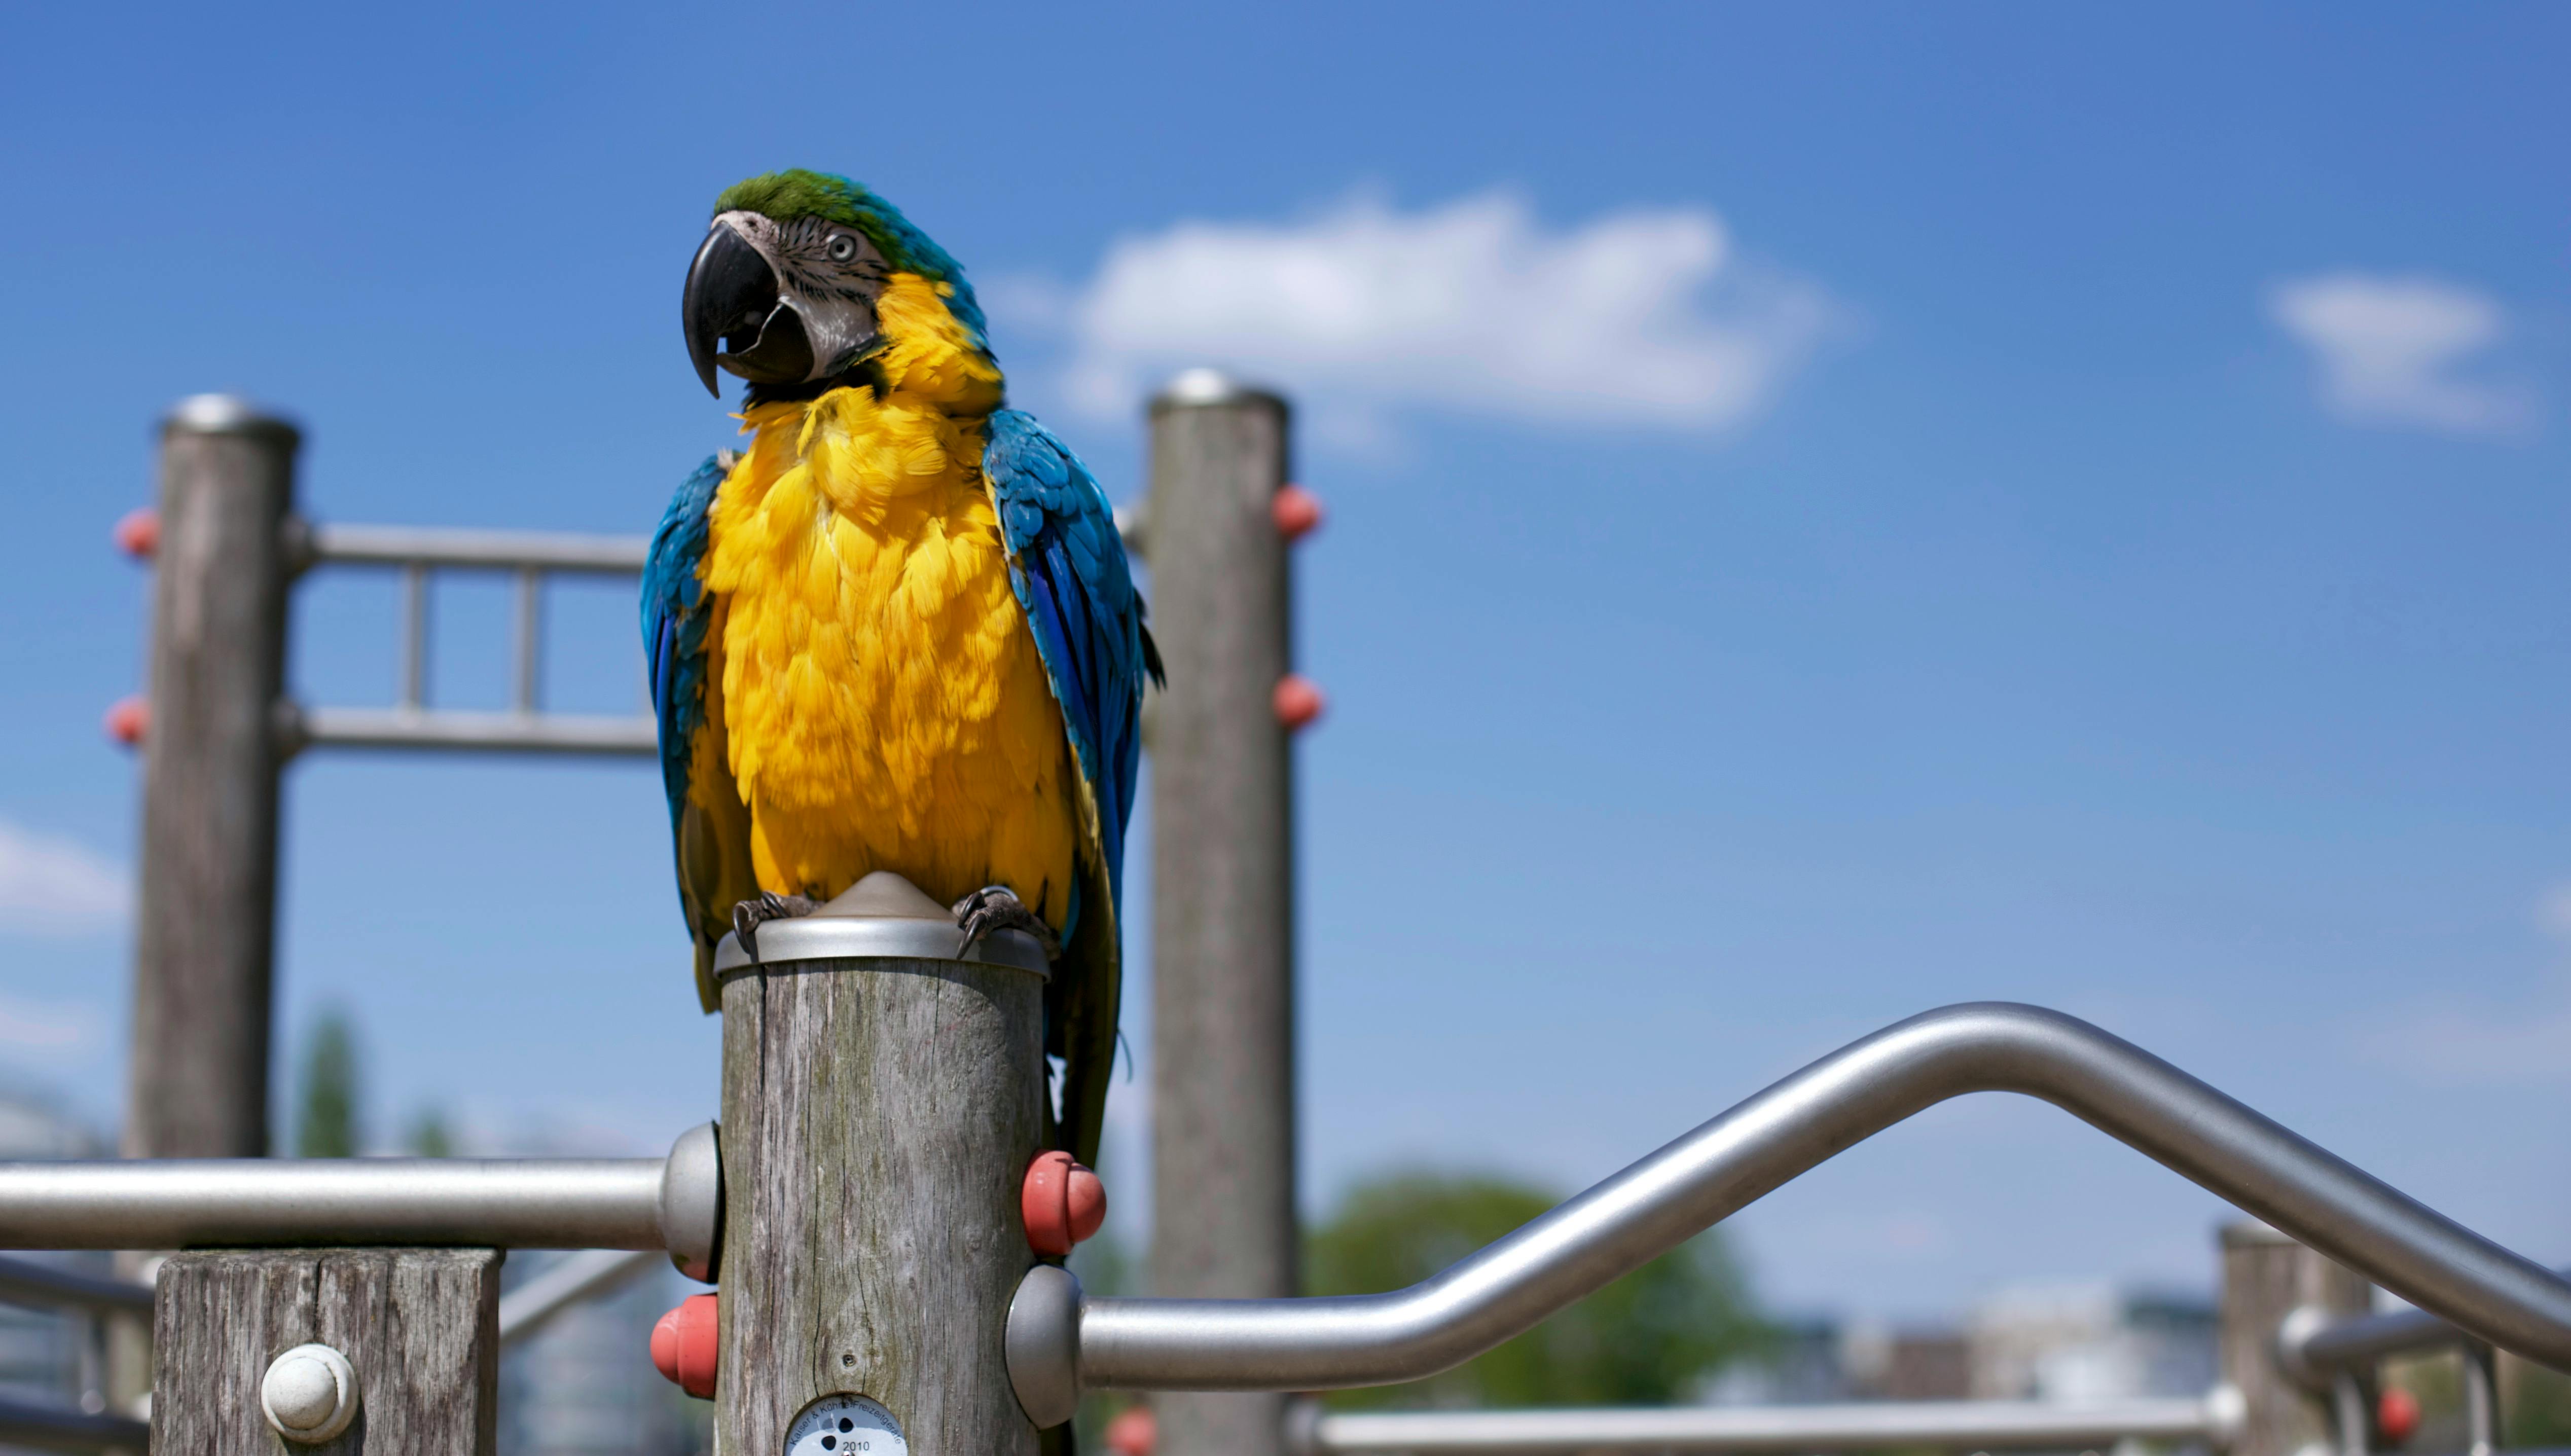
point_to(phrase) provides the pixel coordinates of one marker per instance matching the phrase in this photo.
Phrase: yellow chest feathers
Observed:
(886, 705)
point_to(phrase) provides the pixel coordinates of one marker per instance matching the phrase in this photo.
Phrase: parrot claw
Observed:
(997, 907)
(749, 915)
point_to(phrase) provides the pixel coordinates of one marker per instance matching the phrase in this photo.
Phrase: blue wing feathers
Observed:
(674, 617)
(1068, 567)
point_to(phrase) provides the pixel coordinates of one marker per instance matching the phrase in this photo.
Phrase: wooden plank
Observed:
(2266, 1276)
(878, 1117)
(1222, 888)
(419, 1325)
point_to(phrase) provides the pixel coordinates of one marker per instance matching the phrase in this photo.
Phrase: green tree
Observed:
(325, 1123)
(430, 1136)
(1646, 1339)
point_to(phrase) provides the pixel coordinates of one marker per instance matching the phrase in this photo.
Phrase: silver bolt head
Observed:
(310, 1393)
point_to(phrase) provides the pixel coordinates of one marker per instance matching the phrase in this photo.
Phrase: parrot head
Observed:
(783, 289)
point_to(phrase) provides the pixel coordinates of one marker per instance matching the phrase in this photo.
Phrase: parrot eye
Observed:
(842, 247)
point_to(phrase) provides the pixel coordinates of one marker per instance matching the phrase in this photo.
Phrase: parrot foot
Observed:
(749, 915)
(997, 907)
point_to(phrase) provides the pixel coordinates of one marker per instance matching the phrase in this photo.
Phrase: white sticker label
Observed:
(845, 1425)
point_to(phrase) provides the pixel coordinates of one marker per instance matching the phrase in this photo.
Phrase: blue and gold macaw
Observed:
(898, 632)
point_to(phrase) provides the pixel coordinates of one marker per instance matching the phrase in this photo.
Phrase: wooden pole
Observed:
(207, 925)
(2266, 1276)
(420, 1329)
(1223, 882)
(879, 1112)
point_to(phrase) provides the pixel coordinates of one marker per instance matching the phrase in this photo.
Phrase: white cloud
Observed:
(2490, 1045)
(2553, 912)
(51, 886)
(30, 1025)
(2390, 351)
(1641, 317)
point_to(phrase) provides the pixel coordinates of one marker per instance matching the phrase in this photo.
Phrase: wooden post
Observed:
(1223, 882)
(206, 927)
(880, 1110)
(2266, 1276)
(419, 1326)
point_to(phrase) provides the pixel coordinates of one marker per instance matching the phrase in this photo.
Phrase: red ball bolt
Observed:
(129, 721)
(684, 1347)
(1134, 1433)
(2396, 1415)
(1062, 1203)
(1296, 510)
(138, 534)
(1297, 701)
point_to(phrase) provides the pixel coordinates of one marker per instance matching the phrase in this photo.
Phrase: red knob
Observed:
(1134, 1433)
(1296, 511)
(2396, 1414)
(129, 721)
(1062, 1203)
(1299, 701)
(684, 1345)
(138, 533)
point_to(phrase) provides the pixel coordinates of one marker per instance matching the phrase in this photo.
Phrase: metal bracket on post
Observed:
(691, 1200)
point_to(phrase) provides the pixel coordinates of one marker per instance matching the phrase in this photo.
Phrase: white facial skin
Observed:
(830, 275)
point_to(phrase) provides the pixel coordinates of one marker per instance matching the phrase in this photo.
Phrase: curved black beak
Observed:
(732, 302)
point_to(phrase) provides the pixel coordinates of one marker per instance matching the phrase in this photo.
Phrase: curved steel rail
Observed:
(1059, 1343)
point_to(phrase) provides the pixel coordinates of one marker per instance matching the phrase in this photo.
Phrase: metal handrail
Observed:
(589, 1275)
(602, 1202)
(2214, 1418)
(2311, 1344)
(24, 1281)
(671, 1203)
(411, 722)
(476, 549)
(460, 729)
(49, 1428)
(1059, 1342)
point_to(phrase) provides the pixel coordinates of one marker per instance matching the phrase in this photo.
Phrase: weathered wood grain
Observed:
(419, 1325)
(878, 1116)
(205, 922)
(2265, 1277)
(1223, 898)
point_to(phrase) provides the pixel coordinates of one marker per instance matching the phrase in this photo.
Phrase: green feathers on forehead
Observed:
(795, 193)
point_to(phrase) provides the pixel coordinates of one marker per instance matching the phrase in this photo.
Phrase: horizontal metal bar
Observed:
(569, 1202)
(2214, 1419)
(48, 1428)
(2312, 1345)
(482, 732)
(588, 1274)
(1059, 1342)
(558, 551)
(25, 1282)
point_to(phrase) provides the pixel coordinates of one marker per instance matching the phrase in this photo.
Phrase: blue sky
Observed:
(1834, 512)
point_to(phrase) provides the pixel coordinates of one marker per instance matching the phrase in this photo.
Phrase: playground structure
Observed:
(859, 1206)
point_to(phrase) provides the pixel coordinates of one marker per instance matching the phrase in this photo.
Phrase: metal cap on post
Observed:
(882, 1099)
(1222, 893)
